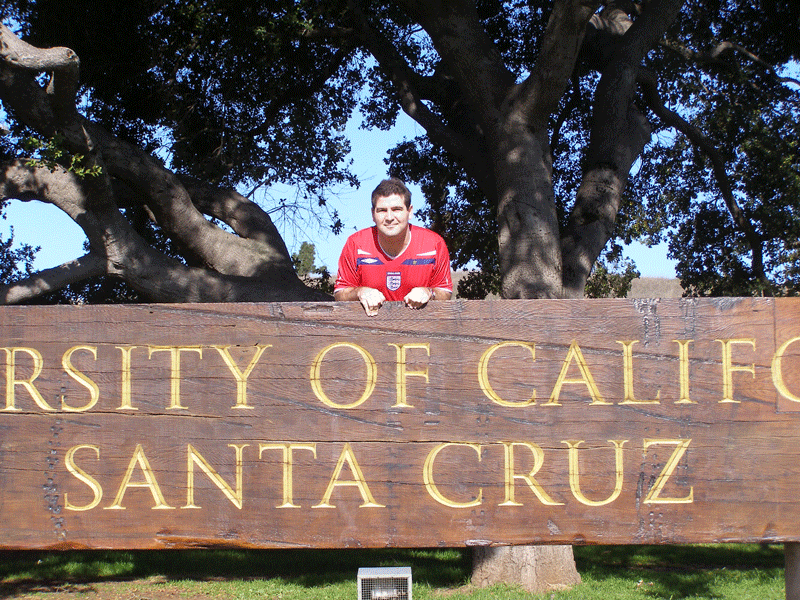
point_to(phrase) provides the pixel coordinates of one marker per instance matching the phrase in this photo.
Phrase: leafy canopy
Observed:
(249, 94)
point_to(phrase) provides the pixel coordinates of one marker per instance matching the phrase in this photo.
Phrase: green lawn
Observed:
(735, 572)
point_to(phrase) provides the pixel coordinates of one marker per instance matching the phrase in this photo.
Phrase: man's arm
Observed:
(347, 279)
(440, 285)
(420, 296)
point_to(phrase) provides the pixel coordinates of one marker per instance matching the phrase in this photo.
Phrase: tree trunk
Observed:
(528, 229)
(537, 569)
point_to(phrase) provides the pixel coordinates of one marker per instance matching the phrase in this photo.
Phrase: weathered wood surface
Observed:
(131, 433)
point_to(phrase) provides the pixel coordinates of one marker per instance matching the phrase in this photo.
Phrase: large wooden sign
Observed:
(466, 423)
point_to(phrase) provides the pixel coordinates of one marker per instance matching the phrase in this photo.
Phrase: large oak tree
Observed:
(534, 115)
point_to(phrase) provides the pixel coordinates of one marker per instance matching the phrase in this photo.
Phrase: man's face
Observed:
(391, 215)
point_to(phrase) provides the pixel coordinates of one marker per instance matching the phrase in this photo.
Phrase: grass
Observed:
(735, 572)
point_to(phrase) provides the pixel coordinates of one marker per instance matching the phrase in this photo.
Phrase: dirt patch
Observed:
(655, 287)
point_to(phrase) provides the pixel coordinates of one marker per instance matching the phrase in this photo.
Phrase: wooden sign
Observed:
(465, 423)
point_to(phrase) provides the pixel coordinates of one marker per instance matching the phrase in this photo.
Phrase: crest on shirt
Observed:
(393, 280)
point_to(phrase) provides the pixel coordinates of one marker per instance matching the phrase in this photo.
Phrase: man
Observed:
(393, 260)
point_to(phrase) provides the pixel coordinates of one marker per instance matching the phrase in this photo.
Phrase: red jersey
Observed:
(424, 263)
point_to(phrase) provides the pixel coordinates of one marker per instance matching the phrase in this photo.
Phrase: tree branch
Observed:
(647, 81)
(715, 54)
(156, 185)
(54, 186)
(537, 97)
(573, 102)
(51, 280)
(619, 134)
(118, 251)
(406, 82)
(63, 63)
(245, 217)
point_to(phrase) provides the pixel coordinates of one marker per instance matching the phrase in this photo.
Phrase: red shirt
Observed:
(424, 263)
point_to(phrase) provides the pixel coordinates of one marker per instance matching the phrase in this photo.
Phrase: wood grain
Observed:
(625, 421)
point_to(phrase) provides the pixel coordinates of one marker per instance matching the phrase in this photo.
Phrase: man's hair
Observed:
(390, 187)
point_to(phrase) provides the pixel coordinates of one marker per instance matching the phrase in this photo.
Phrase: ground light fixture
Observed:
(384, 583)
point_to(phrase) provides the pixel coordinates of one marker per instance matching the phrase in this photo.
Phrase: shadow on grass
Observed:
(680, 571)
(669, 571)
(437, 568)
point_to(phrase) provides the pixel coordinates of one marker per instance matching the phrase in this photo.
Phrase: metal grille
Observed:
(384, 583)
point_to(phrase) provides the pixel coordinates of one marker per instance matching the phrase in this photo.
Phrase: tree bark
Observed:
(530, 252)
(537, 569)
(619, 132)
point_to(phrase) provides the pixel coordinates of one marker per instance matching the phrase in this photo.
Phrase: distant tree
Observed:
(305, 264)
(611, 281)
(304, 259)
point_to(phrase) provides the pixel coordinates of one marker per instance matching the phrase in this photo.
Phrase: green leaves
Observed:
(51, 154)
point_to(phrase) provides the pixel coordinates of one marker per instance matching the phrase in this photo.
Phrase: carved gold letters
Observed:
(12, 382)
(195, 458)
(538, 460)
(653, 496)
(777, 371)
(627, 375)
(94, 390)
(728, 368)
(316, 370)
(358, 481)
(24, 367)
(502, 466)
(149, 482)
(574, 474)
(574, 354)
(483, 374)
(241, 377)
(288, 462)
(403, 373)
(175, 375)
(430, 485)
(83, 476)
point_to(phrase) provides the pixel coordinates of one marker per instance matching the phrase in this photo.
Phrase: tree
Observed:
(305, 264)
(304, 259)
(734, 233)
(15, 263)
(166, 133)
(710, 164)
(535, 114)
(611, 281)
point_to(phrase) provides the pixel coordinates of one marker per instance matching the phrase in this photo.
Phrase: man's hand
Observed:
(371, 299)
(419, 297)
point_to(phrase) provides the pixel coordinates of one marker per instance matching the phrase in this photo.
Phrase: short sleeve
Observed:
(441, 276)
(347, 270)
